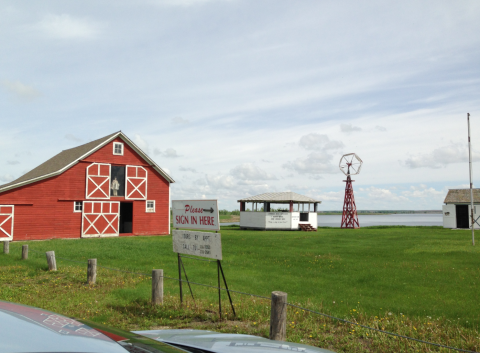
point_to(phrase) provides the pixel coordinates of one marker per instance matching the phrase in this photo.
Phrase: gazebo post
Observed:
(291, 206)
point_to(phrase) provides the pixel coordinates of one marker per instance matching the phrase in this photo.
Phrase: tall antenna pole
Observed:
(471, 185)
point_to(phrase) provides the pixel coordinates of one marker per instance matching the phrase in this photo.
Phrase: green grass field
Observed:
(417, 275)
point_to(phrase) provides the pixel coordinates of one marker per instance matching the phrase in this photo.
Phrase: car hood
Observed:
(227, 342)
(27, 329)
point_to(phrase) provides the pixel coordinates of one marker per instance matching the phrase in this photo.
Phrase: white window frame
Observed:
(75, 206)
(150, 209)
(115, 144)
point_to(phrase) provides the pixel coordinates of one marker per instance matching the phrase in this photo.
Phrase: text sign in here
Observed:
(195, 214)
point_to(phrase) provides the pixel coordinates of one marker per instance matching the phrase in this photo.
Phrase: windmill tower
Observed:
(350, 164)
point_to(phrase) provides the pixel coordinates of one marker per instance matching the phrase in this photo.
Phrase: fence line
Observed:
(288, 304)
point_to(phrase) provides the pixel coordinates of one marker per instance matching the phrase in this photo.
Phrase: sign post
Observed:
(203, 215)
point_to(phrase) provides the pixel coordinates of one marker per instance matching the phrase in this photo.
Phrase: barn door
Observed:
(6, 222)
(100, 218)
(136, 184)
(98, 181)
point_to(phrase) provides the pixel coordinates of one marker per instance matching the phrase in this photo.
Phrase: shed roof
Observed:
(280, 197)
(68, 158)
(462, 196)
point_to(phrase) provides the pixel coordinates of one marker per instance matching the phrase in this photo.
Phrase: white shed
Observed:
(457, 208)
(293, 211)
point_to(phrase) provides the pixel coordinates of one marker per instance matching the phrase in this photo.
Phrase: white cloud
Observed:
(422, 191)
(5, 178)
(315, 163)
(249, 171)
(384, 195)
(347, 128)
(331, 196)
(13, 162)
(319, 161)
(21, 90)
(380, 128)
(140, 142)
(166, 170)
(221, 182)
(319, 142)
(67, 27)
(73, 138)
(313, 141)
(183, 3)
(440, 157)
(180, 121)
(168, 153)
(186, 169)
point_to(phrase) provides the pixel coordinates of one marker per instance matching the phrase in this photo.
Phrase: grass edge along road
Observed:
(329, 279)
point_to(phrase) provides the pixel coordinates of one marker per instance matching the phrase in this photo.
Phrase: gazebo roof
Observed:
(462, 196)
(280, 197)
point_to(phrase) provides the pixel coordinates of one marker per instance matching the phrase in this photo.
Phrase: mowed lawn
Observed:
(415, 271)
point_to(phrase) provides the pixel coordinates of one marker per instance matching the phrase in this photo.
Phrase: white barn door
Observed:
(6, 222)
(136, 184)
(98, 181)
(100, 219)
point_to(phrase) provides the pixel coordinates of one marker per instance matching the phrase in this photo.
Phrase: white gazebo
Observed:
(293, 211)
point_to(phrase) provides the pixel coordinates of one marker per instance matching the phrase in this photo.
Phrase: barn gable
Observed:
(68, 158)
(107, 187)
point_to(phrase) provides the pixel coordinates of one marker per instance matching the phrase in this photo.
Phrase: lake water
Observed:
(404, 219)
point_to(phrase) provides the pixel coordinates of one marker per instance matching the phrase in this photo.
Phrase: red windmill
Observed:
(350, 164)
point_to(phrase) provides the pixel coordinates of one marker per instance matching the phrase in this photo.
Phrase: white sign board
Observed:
(278, 219)
(197, 243)
(195, 214)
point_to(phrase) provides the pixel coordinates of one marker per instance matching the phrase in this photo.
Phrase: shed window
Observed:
(150, 206)
(118, 148)
(77, 206)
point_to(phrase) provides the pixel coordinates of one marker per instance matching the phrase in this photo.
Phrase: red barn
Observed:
(107, 187)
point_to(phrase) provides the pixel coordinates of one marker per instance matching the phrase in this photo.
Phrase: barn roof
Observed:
(68, 158)
(280, 197)
(462, 196)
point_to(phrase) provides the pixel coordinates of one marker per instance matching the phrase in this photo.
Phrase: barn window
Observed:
(77, 206)
(117, 181)
(118, 148)
(150, 206)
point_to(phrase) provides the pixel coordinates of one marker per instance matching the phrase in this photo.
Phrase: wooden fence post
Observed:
(157, 287)
(24, 252)
(278, 316)
(6, 247)
(52, 264)
(92, 271)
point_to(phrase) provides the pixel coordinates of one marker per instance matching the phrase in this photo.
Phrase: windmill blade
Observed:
(350, 164)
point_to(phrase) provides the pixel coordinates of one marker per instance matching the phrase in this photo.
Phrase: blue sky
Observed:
(240, 97)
